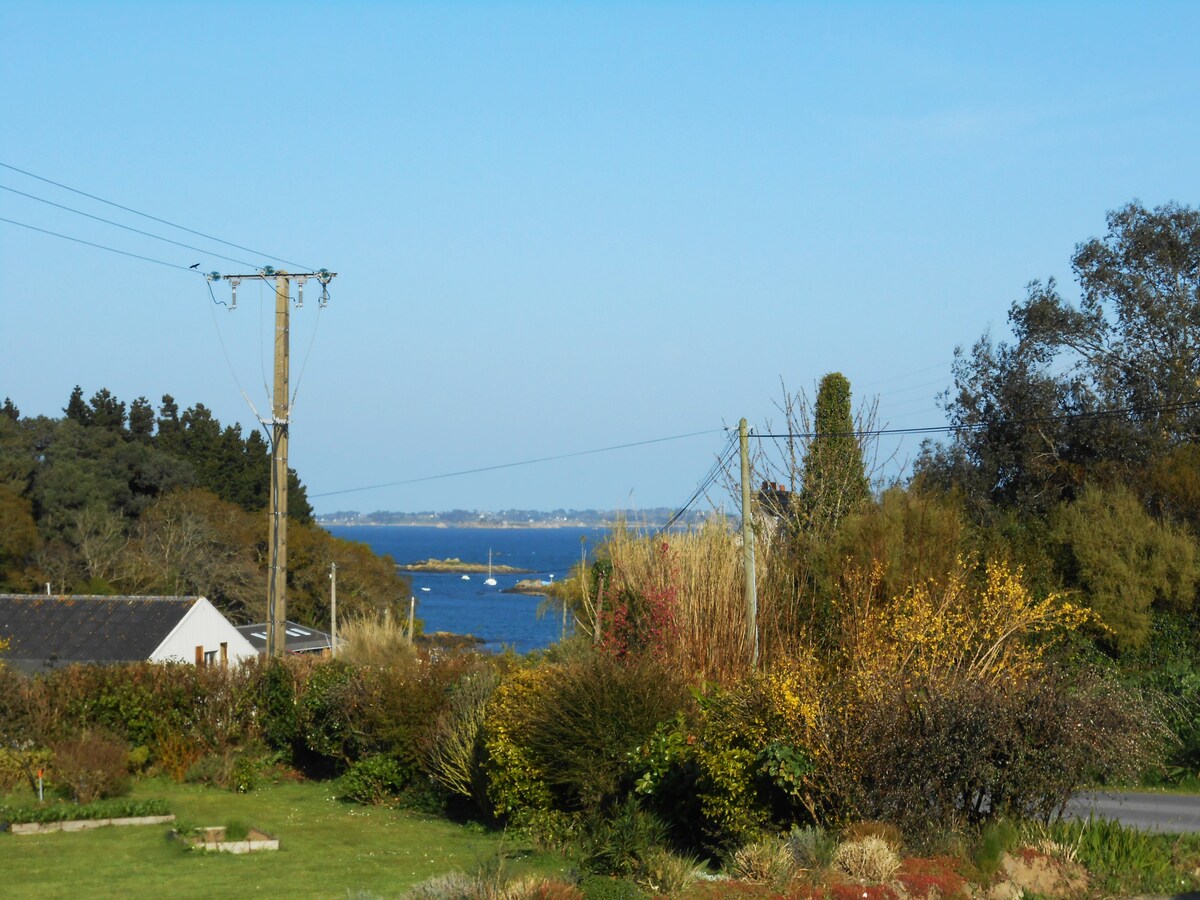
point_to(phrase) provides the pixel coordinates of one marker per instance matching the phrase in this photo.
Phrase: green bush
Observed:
(276, 689)
(206, 770)
(748, 769)
(375, 780)
(620, 844)
(138, 758)
(600, 887)
(516, 783)
(1124, 562)
(345, 712)
(244, 773)
(592, 714)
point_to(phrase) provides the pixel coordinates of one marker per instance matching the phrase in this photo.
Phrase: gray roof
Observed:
(46, 631)
(298, 638)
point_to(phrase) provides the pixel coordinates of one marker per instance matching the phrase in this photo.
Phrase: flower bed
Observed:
(82, 817)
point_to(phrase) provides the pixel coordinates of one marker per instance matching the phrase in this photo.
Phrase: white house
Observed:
(50, 631)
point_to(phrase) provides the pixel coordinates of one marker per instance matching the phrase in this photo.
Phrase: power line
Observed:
(719, 465)
(979, 426)
(715, 471)
(155, 218)
(892, 378)
(148, 234)
(67, 237)
(525, 462)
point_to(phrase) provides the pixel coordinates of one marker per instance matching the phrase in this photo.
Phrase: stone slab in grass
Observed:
(213, 839)
(86, 824)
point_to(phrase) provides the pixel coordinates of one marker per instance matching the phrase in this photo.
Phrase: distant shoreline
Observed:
(517, 519)
(493, 525)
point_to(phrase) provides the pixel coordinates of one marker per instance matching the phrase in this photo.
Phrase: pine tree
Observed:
(141, 419)
(77, 410)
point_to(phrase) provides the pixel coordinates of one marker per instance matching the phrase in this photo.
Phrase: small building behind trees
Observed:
(45, 632)
(298, 638)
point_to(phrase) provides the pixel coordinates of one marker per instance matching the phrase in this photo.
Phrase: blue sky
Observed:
(562, 227)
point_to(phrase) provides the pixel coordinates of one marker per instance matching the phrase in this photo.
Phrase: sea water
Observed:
(448, 602)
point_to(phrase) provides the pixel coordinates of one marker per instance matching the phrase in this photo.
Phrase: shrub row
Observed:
(600, 750)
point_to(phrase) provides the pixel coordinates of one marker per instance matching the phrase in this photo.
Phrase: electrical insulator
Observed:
(233, 283)
(300, 293)
(323, 276)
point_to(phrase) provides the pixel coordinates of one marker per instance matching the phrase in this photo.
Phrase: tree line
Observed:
(115, 498)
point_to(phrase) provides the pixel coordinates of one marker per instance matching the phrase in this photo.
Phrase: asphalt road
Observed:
(1153, 812)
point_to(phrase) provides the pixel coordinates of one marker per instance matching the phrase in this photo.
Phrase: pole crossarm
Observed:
(267, 275)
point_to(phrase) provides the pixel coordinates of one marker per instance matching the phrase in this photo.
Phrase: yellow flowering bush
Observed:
(989, 630)
(942, 703)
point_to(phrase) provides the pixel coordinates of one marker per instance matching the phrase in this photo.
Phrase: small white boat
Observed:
(490, 581)
(466, 578)
(426, 590)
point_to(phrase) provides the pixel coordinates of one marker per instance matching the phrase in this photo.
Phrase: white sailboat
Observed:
(490, 581)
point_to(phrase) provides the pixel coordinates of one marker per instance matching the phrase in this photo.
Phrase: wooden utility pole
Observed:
(333, 609)
(748, 547)
(280, 414)
(277, 571)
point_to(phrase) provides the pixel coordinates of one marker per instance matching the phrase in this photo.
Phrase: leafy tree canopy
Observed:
(112, 498)
(1094, 390)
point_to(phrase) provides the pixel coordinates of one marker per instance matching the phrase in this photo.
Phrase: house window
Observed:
(210, 657)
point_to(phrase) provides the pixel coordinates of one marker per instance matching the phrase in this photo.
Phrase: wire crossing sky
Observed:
(560, 226)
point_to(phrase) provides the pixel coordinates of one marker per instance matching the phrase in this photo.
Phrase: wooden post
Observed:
(280, 412)
(333, 609)
(277, 574)
(748, 547)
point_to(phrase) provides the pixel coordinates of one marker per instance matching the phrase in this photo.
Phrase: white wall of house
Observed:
(203, 626)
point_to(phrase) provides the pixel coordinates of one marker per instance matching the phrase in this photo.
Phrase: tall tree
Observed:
(107, 411)
(76, 409)
(1093, 390)
(141, 419)
(834, 478)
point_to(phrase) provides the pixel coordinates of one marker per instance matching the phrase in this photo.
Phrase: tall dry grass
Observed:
(371, 641)
(702, 572)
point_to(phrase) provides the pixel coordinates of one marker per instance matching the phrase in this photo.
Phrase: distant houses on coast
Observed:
(516, 518)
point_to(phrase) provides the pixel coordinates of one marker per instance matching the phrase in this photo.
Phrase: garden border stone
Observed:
(85, 824)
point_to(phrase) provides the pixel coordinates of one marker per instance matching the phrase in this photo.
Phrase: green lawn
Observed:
(328, 848)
